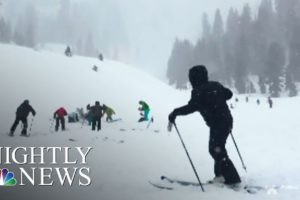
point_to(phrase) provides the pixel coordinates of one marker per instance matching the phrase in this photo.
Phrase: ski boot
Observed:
(234, 186)
(218, 180)
(11, 133)
(24, 133)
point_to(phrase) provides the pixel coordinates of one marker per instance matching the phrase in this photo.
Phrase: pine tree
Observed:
(216, 45)
(206, 27)
(265, 32)
(180, 61)
(289, 23)
(5, 31)
(172, 63)
(262, 86)
(290, 85)
(243, 57)
(229, 44)
(218, 26)
(276, 60)
(30, 31)
(202, 47)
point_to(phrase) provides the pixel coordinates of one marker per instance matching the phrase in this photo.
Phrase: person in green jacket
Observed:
(109, 113)
(145, 109)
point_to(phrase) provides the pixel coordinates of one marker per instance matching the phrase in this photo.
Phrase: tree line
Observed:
(253, 53)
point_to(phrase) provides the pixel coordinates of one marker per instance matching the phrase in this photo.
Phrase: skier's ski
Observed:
(160, 186)
(72, 140)
(115, 120)
(249, 188)
(180, 182)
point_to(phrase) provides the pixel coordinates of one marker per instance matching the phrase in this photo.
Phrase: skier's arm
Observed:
(32, 111)
(185, 110)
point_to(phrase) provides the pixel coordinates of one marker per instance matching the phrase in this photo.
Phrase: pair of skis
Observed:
(167, 183)
(170, 125)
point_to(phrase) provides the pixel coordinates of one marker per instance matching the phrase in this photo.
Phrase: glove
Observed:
(172, 118)
(170, 127)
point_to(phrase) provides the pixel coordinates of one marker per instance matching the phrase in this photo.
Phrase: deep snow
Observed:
(268, 138)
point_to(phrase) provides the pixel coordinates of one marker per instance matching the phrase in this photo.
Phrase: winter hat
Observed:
(198, 75)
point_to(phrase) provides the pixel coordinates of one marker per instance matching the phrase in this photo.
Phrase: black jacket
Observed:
(24, 109)
(96, 110)
(210, 100)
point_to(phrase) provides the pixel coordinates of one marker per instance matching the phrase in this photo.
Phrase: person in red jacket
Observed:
(59, 115)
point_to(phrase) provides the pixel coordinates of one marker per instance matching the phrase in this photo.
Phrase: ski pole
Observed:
(188, 155)
(82, 122)
(238, 151)
(52, 122)
(30, 128)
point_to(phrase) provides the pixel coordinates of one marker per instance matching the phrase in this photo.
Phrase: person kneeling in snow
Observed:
(209, 98)
(73, 117)
(59, 116)
(145, 110)
(68, 51)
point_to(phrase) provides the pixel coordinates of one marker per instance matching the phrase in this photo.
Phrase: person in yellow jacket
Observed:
(109, 113)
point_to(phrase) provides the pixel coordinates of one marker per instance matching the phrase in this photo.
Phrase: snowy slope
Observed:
(123, 162)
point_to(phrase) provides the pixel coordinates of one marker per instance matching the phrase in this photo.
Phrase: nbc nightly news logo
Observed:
(45, 166)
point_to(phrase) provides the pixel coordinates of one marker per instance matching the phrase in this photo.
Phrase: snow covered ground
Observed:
(123, 162)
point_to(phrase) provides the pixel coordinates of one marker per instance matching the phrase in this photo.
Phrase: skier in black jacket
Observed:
(96, 112)
(21, 115)
(209, 98)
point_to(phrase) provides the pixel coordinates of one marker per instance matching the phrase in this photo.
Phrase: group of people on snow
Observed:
(269, 101)
(93, 116)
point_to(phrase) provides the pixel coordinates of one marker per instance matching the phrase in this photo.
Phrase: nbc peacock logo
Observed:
(7, 178)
